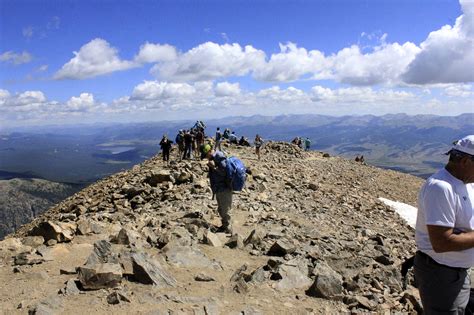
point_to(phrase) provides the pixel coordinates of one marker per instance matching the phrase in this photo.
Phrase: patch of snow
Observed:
(407, 212)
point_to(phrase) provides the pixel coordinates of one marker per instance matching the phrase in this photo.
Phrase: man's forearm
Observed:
(444, 239)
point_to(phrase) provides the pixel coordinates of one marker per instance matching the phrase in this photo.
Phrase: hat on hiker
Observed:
(205, 149)
(464, 145)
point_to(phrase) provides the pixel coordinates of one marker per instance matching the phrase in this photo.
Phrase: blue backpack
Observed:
(236, 173)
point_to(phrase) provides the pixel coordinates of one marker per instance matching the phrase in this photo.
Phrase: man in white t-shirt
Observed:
(445, 233)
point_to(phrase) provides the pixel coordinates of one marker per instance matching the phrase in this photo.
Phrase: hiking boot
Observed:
(224, 229)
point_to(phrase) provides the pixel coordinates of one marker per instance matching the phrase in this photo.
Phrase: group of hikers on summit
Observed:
(190, 142)
(226, 174)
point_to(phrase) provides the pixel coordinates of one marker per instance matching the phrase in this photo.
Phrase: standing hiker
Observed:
(180, 142)
(165, 145)
(217, 144)
(258, 144)
(445, 233)
(219, 185)
(307, 144)
(188, 145)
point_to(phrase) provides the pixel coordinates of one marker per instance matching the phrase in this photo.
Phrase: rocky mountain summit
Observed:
(310, 237)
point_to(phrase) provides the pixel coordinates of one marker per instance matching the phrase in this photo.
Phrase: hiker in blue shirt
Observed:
(219, 185)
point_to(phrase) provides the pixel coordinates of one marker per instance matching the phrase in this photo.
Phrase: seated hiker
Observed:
(226, 133)
(233, 138)
(244, 142)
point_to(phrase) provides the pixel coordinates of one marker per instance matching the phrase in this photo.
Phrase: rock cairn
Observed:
(310, 237)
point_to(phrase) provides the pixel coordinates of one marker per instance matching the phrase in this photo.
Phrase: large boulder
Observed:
(102, 253)
(327, 283)
(292, 278)
(58, 231)
(189, 256)
(100, 276)
(149, 271)
(281, 248)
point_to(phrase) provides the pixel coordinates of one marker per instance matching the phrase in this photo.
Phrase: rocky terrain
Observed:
(310, 237)
(23, 199)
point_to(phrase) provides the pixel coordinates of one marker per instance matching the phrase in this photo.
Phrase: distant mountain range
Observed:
(85, 153)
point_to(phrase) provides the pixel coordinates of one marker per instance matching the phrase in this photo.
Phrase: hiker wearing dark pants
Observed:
(165, 145)
(188, 145)
(445, 233)
(443, 289)
(219, 185)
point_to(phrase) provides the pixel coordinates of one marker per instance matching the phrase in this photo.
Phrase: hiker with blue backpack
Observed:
(226, 175)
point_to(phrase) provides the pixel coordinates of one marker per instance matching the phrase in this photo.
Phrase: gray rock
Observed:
(28, 258)
(83, 227)
(281, 248)
(71, 288)
(189, 256)
(292, 278)
(184, 177)
(255, 238)
(159, 177)
(203, 278)
(49, 306)
(327, 283)
(149, 271)
(59, 231)
(235, 241)
(116, 298)
(212, 239)
(102, 253)
(100, 276)
(259, 275)
(127, 237)
(33, 241)
(384, 260)
(67, 271)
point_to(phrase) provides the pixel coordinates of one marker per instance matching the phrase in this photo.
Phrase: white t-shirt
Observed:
(446, 201)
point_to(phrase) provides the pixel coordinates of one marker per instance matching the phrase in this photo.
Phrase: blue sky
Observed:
(88, 61)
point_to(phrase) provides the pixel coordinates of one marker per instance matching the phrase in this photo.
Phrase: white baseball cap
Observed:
(465, 145)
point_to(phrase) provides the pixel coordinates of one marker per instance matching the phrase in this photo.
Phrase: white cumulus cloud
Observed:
(155, 53)
(447, 55)
(82, 103)
(384, 65)
(152, 90)
(290, 64)
(210, 61)
(227, 89)
(94, 58)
